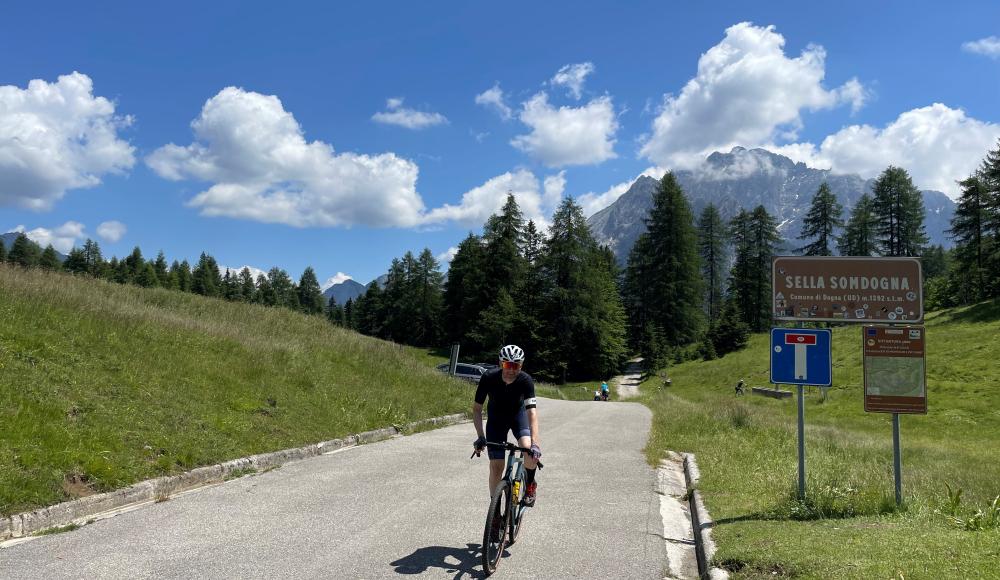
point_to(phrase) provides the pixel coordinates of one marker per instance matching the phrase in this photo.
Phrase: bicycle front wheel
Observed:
(495, 533)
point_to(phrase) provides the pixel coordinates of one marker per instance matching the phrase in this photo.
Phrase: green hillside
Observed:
(849, 526)
(103, 385)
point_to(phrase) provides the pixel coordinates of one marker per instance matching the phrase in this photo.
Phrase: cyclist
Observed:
(604, 390)
(512, 407)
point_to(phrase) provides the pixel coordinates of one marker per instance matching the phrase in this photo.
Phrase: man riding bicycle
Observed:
(512, 407)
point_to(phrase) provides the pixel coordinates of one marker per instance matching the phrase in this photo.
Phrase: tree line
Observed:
(552, 293)
(276, 288)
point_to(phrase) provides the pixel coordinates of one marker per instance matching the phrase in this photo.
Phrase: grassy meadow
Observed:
(103, 385)
(848, 526)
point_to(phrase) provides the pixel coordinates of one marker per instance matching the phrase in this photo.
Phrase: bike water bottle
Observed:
(517, 489)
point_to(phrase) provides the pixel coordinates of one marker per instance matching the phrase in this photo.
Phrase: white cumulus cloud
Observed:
(55, 137)
(62, 238)
(399, 115)
(261, 168)
(746, 92)
(111, 231)
(447, 256)
(572, 76)
(989, 46)
(937, 145)
(568, 135)
(492, 98)
(536, 200)
(338, 279)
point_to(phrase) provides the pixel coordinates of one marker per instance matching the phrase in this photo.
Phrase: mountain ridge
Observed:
(745, 178)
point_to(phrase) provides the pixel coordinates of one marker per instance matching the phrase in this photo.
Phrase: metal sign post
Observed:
(895, 380)
(801, 357)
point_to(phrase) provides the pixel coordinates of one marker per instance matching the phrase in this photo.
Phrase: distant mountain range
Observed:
(746, 178)
(10, 237)
(343, 291)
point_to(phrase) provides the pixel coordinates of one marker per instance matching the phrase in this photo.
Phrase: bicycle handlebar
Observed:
(507, 446)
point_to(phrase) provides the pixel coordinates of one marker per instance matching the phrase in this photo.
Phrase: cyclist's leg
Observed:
(522, 431)
(496, 432)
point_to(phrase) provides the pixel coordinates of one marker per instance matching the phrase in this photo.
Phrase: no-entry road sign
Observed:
(801, 357)
(895, 373)
(847, 289)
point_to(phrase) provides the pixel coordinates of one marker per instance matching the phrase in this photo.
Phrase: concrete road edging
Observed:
(79, 510)
(701, 522)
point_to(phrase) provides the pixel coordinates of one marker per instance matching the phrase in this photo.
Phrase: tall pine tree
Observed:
(712, 249)
(898, 207)
(310, 295)
(859, 238)
(823, 217)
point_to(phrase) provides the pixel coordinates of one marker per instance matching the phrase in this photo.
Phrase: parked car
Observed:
(464, 371)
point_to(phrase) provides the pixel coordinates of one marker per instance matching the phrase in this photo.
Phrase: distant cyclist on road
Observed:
(604, 390)
(512, 407)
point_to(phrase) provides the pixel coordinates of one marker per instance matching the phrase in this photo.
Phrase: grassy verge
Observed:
(849, 526)
(104, 385)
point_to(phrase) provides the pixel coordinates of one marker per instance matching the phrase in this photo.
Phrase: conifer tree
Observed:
(162, 271)
(671, 266)
(147, 277)
(755, 238)
(206, 278)
(248, 289)
(135, 264)
(24, 252)
(823, 217)
(49, 259)
(75, 263)
(3, 252)
(349, 314)
(464, 291)
(334, 312)
(428, 286)
(265, 293)
(898, 207)
(285, 293)
(310, 294)
(584, 324)
(989, 175)
(729, 333)
(859, 235)
(95, 264)
(712, 249)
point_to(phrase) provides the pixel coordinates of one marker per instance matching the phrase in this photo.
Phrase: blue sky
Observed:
(341, 135)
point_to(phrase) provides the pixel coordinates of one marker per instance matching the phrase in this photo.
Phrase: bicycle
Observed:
(506, 504)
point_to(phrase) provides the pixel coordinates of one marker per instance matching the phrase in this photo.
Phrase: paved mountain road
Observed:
(410, 506)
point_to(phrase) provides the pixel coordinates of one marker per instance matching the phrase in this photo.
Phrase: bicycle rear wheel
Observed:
(498, 517)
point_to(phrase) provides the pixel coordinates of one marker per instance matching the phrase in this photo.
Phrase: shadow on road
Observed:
(463, 562)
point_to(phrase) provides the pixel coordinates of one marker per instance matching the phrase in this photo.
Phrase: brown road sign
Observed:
(847, 289)
(895, 369)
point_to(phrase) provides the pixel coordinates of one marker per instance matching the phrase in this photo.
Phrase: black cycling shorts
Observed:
(498, 427)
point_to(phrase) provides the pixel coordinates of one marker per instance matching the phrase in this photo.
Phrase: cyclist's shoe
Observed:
(497, 530)
(529, 495)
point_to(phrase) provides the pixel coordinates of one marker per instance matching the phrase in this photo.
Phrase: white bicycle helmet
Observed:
(512, 353)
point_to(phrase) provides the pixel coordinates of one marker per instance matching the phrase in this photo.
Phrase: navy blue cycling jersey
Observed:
(506, 400)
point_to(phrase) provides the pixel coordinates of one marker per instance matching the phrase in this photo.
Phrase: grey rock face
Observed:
(746, 178)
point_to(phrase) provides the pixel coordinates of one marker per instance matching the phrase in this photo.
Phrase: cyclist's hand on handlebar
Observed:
(536, 452)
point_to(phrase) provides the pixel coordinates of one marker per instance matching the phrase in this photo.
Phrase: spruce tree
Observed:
(147, 277)
(310, 294)
(206, 278)
(969, 230)
(284, 292)
(265, 293)
(989, 174)
(3, 252)
(24, 252)
(75, 262)
(672, 269)
(334, 312)
(248, 289)
(823, 217)
(162, 271)
(712, 249)
(582, 317)
(349, 314)
(898, 207)
(729, 333)
(49, 259)
(464, 291)
(135, 264)
(859, 234)
(755, 238)
(429, 282)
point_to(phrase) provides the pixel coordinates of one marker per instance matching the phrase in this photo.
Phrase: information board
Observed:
(894, 368)
(847, 289)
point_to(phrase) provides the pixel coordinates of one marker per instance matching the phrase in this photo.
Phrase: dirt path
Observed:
(627, 385)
